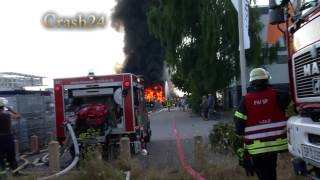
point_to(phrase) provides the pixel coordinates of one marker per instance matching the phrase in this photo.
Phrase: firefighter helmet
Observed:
(259, 74)
(3, 101)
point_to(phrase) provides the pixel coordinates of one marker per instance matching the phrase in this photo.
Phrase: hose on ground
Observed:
(75, 160)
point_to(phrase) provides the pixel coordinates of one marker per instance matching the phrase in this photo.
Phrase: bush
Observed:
(88, 142)
(94, 167)
(223, 138)
(291, 110)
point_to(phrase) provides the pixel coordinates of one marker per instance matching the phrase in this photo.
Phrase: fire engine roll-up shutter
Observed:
(92, 92)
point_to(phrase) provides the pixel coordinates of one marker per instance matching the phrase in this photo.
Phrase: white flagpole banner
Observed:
(242, 6)
(245, 20)
(245, 13)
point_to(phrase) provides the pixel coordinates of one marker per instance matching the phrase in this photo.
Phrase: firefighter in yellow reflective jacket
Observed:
(260, 119)
(169, 103)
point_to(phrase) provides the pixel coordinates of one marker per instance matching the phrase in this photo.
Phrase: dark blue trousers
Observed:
(7, 153)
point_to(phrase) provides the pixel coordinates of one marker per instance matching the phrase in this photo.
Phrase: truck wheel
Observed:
(299, 167)
(112, 149)
(148, 137)
(317, 172)
(113, 152)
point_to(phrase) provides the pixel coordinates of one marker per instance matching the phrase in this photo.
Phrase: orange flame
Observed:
(154, 93)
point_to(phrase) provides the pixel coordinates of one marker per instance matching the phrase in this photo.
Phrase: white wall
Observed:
(279, 73)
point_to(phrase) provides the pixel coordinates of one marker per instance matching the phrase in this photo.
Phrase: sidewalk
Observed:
(226, 115)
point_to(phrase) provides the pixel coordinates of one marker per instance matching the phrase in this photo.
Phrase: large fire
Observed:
(155, 93)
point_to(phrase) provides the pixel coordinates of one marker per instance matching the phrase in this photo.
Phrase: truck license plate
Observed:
(311, 153)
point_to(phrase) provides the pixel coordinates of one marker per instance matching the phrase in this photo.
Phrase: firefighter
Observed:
(169, 104)
(261, 122)
(7, 153)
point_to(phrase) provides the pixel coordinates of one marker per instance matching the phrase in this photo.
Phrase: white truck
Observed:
(302, 35)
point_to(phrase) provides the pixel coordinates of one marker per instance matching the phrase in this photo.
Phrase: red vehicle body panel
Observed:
(58, 109)
(128, 106)
(128, 100)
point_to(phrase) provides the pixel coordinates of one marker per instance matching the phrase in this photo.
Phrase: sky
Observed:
(26, 46)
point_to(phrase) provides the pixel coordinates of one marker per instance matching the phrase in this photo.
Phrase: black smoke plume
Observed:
(144, 54)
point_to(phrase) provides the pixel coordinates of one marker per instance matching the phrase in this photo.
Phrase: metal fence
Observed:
(37, 118)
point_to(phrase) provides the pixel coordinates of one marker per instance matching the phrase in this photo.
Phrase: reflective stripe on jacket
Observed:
(258, 147)
(265, 129)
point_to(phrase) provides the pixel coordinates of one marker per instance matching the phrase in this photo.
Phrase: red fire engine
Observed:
(112, 104)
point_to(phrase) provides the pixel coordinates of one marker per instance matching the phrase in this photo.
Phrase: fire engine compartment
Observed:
(75, 100)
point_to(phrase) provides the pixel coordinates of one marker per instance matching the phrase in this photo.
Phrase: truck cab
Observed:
(302, 35)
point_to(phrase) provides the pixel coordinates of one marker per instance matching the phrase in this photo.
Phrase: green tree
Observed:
(201, 43)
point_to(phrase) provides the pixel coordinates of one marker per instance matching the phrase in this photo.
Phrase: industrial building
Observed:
(35, 107)
(17, 81)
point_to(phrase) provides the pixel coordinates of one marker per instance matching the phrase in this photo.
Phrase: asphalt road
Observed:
(162, 148)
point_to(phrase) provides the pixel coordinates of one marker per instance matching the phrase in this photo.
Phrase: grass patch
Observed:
(222, 162)
(138, 172)
(217, 166)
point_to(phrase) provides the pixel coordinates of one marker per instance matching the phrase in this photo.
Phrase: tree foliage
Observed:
(201, 43)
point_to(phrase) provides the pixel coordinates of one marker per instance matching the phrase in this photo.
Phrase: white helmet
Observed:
(259, 74)
(3, 101)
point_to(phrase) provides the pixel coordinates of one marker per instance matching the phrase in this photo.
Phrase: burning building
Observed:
(155, 92)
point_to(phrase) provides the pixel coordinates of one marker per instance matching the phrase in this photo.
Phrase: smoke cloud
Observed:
(144, 54)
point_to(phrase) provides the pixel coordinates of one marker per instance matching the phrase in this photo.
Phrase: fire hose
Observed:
(44, 159)
(26, 162)
(75, 160)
